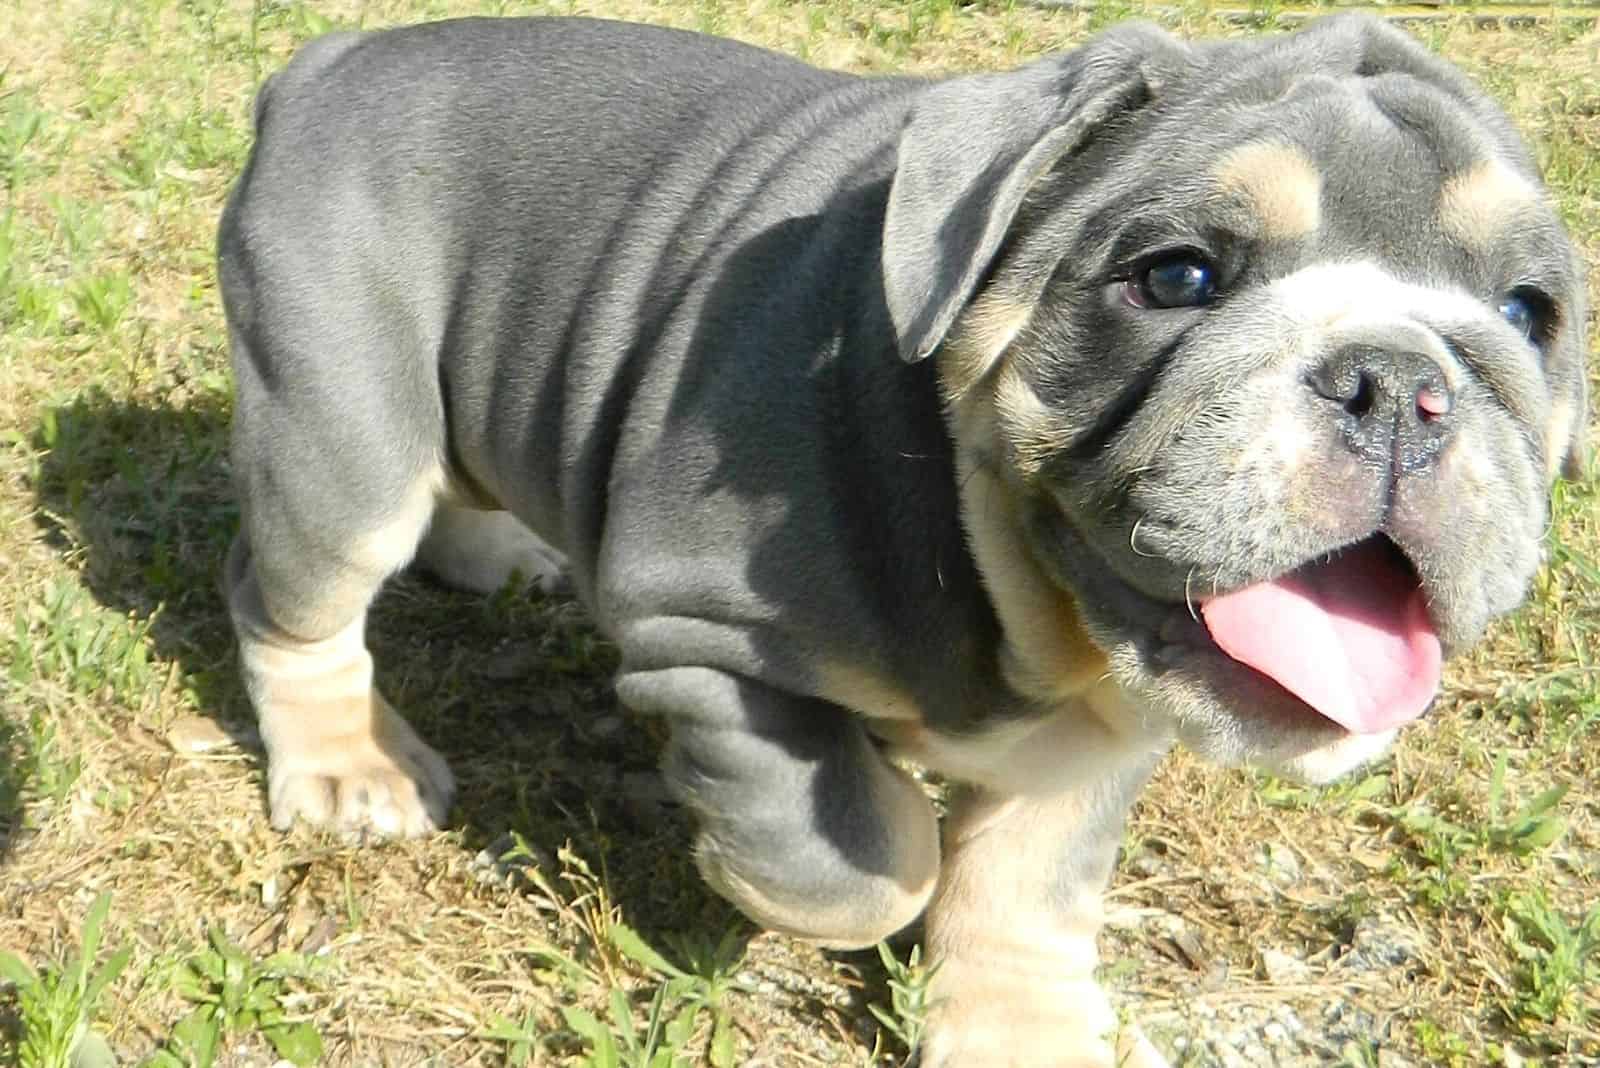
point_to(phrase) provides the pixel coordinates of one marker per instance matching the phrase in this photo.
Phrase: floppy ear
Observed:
(969, 152)
(1572, 464)
(1570, 368)
(1574, 460)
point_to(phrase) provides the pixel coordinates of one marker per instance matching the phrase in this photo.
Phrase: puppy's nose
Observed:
(1392, 407)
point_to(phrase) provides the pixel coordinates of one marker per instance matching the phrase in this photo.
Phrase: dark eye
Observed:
(1527, 312)
(1176, 280)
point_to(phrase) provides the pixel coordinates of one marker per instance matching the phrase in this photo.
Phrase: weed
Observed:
(1532, 828)
(1280, 793)
(1359, 1053)
(907, 1015)
(1448, 845)
(688, 997)
(704, 984)
(47, 771)
(81, 226)
(620, 1044)
(102, 299)
(21, 122)
(1560, 963)
(237, 996)
(519, 1037)
(58, 1004)
(672, 1018)
(70, 640)
(1445, 1048)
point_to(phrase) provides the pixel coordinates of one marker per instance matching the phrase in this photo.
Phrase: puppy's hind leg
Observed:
(299, 579)
(481, 551)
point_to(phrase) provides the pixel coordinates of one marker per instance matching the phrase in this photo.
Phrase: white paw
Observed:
(990, 1026)
(1039, 1047)
(482, 551)
(387, 782)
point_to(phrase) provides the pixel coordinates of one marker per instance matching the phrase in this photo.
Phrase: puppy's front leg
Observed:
(1013, 924)
(803, 825)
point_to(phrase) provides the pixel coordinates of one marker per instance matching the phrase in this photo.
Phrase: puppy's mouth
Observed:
(1348, 635)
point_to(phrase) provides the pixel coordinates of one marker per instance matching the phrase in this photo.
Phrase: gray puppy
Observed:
(1017, 425)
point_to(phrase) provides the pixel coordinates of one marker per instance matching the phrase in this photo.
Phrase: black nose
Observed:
(1393, 407)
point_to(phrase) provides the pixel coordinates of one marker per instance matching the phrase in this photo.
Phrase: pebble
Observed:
(492, 865)
(1379, 943)
(1279, 862)
(1280, 967)
(607, 726)
(200, 735)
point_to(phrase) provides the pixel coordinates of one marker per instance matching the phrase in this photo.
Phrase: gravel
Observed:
(1313, 1022)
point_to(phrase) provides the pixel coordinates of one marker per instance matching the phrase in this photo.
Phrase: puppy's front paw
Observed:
(385, 781)
(1071, 1026)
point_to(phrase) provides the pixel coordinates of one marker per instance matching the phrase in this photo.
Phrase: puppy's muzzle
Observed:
(1393, 408)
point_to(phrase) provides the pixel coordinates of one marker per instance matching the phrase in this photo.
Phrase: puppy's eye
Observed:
(1528, 313)
(1183, 279)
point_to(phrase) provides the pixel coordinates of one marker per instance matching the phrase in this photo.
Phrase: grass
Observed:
(1447, 898)
(58, 1003)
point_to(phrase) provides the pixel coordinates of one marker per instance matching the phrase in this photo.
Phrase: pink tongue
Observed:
(1351, 637)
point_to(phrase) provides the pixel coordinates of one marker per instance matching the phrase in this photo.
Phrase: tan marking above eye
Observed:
(1477, 204)
(1279, 183)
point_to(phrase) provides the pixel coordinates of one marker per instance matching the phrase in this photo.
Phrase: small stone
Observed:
(1283, 968)
(320, 935)
(1378, 943)
(493, 865)
(1147, 863)
(1279, 862)
(93, 1051)
(607, 726)
(199, 735)
(269, 890)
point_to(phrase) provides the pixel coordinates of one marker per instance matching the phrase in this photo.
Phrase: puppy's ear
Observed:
(1574, 458)
(1568, 364)
(969, 152)
(1572, 464)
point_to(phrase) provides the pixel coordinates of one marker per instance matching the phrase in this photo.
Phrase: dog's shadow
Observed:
(514, 690)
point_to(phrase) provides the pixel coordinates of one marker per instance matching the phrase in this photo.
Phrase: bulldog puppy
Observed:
(1015, 425)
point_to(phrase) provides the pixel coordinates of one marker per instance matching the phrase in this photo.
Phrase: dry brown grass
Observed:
(114, 513)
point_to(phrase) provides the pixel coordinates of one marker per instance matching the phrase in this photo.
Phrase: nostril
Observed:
(1433, 404)
(1360, 401)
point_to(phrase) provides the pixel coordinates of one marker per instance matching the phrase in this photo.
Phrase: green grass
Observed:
(236, 996)
(58, 1003)
(121, 126)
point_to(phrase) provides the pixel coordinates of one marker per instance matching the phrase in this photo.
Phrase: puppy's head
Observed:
(1260, 357)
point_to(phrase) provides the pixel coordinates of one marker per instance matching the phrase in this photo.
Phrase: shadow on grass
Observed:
(514, 690)
(14, 760)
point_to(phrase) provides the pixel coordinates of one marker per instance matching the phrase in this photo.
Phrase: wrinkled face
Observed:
(1278, 373)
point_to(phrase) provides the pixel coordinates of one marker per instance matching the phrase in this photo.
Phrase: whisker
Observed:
(1133, 540)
